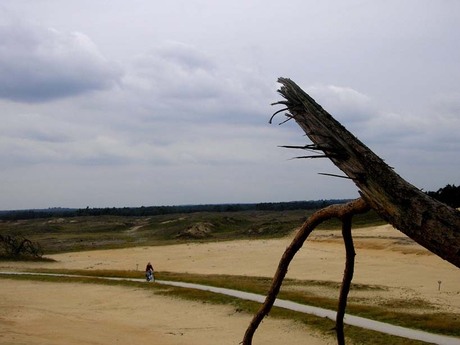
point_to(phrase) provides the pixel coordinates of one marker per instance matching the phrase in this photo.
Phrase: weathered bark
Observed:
(427, 221)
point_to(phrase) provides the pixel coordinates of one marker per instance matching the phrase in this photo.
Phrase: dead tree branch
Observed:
(347, 277)
(427, 221)
(345, 211)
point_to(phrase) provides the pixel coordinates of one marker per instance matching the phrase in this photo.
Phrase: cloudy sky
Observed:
(129, 103)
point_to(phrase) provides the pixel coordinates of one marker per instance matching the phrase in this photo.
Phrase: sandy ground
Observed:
(40, 313)
(46, 313)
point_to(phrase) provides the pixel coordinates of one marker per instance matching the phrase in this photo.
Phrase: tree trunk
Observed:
(427, 221)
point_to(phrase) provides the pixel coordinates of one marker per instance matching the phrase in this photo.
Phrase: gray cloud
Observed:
(345, 103)
(183, 80)
(182, 116)
(38, 64)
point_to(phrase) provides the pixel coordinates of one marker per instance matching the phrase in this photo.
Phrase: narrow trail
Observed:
(325, 313)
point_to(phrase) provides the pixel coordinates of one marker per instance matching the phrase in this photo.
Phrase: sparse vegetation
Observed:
(104, 232)
(19, 248)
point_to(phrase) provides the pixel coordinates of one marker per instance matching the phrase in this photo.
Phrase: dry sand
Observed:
(46, 313)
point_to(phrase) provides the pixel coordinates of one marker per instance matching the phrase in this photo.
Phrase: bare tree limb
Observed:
(427, 221)
(339, 211)
(347, 277)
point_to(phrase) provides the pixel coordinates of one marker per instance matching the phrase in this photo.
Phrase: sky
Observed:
(110, 103)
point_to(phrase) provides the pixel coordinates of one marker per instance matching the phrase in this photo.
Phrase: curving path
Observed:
(326, 313)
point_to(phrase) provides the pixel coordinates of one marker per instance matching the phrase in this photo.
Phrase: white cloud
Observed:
(185, 81)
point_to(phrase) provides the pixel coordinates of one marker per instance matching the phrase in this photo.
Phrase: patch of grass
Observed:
(441, 323)
(406, 304)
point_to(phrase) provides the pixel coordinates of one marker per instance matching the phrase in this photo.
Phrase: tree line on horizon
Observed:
(164, 210)
(450, 195)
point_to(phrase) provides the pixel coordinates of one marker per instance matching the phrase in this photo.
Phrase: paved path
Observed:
(330, 314)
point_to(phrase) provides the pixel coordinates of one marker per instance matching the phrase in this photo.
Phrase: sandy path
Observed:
(385, 257)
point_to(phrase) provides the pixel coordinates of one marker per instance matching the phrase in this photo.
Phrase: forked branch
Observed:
(344, 212)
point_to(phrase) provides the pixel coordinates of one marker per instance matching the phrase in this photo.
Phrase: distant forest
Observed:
(449, 195)
(162, 210)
